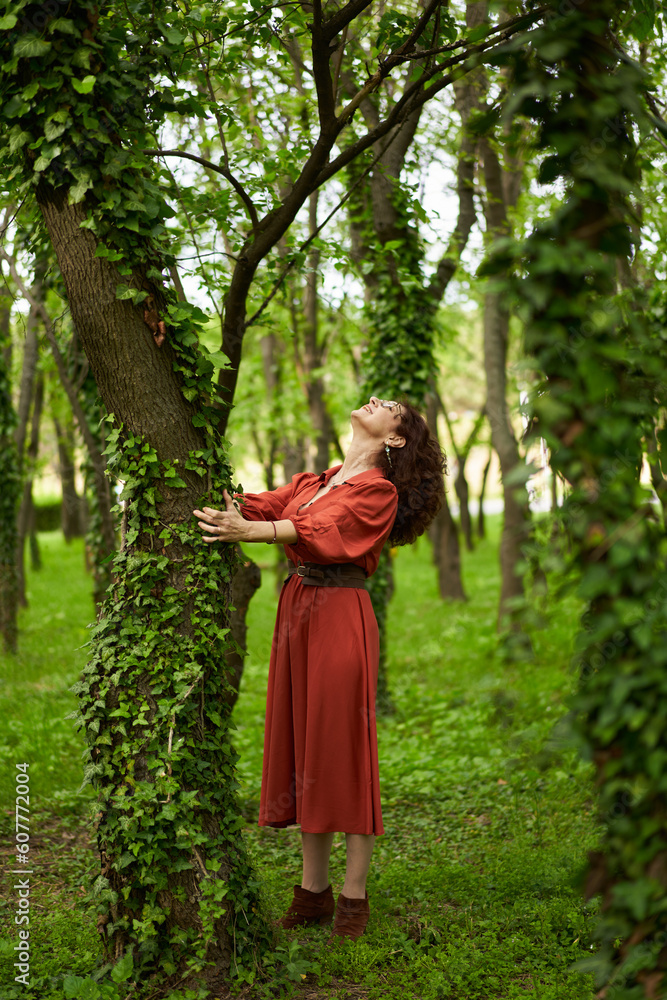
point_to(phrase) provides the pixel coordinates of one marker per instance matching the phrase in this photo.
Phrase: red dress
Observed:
(320, 743)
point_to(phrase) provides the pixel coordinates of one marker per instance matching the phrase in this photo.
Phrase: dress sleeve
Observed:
(349, 527)
(269, 506)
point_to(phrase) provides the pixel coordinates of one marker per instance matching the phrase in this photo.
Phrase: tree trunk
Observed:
(312, 355)
(28, 369)
(71, 510)
(247, 580)
(9, 494)
(657, 479)
(481, 526)
(444, 532)
(463, 495)
(26, 509)
(152, 699)
(380, 586)
(516, 516)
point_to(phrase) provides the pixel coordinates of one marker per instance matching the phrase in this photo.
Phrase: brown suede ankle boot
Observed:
(309, 908)
(351, 917)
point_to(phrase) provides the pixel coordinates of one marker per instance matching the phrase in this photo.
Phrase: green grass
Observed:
(488, 810)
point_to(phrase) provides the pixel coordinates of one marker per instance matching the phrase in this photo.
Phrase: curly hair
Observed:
(417, 471)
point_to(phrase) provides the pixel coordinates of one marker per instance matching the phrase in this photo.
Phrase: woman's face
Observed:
(380, 418)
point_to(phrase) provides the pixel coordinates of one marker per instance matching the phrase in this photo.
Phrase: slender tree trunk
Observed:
(138, 383)
(247, 580)
(516, 516)
(26, 517)
(312, 355)
(444, 533)
(9, 494)
(71, 518)
(481, 526)
(33, 540)
(463, 495)
(657, 479)
(29, 367)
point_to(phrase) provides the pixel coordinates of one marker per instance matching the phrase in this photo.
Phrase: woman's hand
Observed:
(222, 525)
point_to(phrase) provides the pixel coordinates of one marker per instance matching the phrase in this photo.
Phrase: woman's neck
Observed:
(360, 457)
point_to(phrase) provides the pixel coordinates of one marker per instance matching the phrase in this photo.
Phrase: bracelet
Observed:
(273, 540)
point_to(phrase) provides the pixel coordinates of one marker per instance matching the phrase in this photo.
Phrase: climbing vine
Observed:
(80, 102)
(601, 378)
(400, 326)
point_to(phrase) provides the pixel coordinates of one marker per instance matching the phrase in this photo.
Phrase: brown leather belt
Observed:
(334, 575)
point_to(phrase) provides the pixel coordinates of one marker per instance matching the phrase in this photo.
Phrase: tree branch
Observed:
(343, 17)
(219, 169)
(415, 95)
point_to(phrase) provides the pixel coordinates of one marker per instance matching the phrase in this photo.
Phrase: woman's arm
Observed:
(230, 526)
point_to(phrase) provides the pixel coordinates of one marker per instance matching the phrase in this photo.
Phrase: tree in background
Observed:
(11, 479)
(598, 350)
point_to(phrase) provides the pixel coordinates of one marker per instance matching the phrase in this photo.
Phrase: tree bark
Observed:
(138, 383)
(516, 516)
(247, 580)
(29, 367)
(312, 354)
(71, 511)
(444, 533)
(481, 526)
(9, 497)
(26, 514)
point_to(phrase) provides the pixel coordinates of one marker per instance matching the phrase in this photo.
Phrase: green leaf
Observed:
(78, 190)
(7, 22)
(122, 970)
(30, 45)
(52, 130)
(65, 25)
(84, 86)
(218, 359)
(18, 138)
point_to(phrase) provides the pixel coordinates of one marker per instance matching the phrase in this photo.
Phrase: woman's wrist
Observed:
(278, 532)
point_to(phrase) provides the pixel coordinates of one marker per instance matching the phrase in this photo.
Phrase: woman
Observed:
(320, 747)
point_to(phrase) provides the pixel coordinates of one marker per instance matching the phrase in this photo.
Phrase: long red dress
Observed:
(320, 744)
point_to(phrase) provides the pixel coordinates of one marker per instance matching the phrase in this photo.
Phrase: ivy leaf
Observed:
(18, 138)
(78, 190)
(29, 46)
(122, 970)
(16, 107)
(643, 21)
(52, 130)
(65, 25)
(8, 21)
(84, 86)
(218, 359)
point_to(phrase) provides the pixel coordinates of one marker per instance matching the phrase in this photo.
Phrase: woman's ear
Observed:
(396, 441)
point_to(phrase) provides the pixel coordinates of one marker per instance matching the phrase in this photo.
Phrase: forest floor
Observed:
(488, 809)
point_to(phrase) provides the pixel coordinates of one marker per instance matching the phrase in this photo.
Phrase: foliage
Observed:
(471, 891)
(79, 100)
(600, 362)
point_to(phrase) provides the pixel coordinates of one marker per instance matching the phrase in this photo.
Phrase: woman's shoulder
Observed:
(373, 480)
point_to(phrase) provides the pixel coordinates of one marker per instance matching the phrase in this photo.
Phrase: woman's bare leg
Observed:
(316, 851)
(359, 850)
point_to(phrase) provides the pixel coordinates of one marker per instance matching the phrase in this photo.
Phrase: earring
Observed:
(386, 448)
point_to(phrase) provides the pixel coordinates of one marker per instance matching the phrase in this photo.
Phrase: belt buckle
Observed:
(301, 571)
